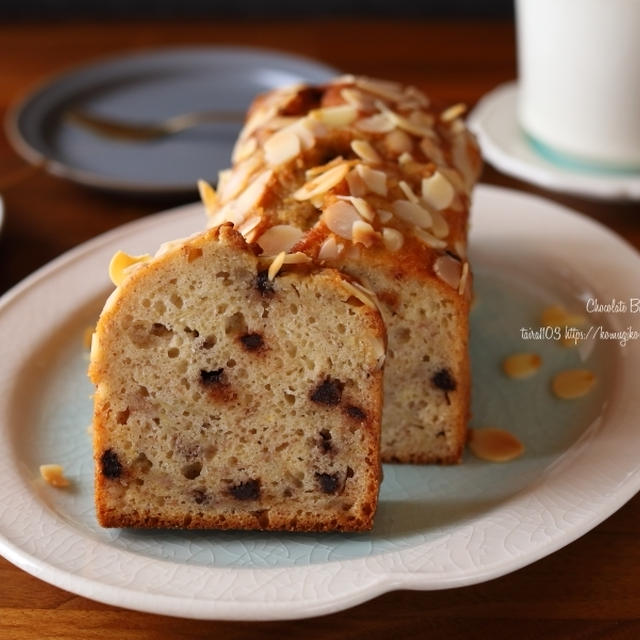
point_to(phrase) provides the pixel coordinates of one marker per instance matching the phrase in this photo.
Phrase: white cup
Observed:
(579, 78)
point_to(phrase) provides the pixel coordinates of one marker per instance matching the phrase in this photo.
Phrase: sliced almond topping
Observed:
(422, 119)
(437, 191)
(296, 258)
(339, 218)
(362, 232)
(249, 198)
(329, 249)
(398, 142)
(428, 239)
(494, 445)
(248, 226)
(258, 118)
(364, 295)
(440, 226)
(392, 239)
(243, 148)
(119, 264)
(366, 151)
(53, 474)
(405, 157)
(357, 186)
(521, 365)
(377, 123)
(383, 88)
(464, 277)
(460, 248)
(314, 171)
(412, 213)
(362, 207)
(449, 270)
(408, 191)
(281, 147)
(208, 196)
(276, 265)
(404, 123)
(453, 112)
(322, 183)
(345, 78)
(280, 122)
(432, 151)
(376, 181)
(462, 161)
(573, 383)
(417, 95)
(338, 116)
(238, 178)
(280, 237)
(384, 215)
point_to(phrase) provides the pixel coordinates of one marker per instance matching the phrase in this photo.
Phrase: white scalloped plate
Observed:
(437, 527)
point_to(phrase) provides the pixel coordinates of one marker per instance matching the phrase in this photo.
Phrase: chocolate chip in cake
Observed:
(200, 496)
(328, 392)
(328, 482)
(325, 441)
(249, 490)
(444, 380)
(252, 341)
(356, 413)
(263, 284)
(110, 464)
(214, 377)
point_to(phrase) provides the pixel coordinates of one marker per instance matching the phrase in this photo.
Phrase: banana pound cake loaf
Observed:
(369, 177)
(235, 392)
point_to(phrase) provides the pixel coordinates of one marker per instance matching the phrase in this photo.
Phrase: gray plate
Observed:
(148, 87)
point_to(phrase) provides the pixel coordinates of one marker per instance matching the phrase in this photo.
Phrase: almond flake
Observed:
(366, 151)
(357, 186)
(398, 142)
(364, 295)
(357, 99)
(412, 213)
(281, 147)
(404, 123)
(53, 474)
(322, 183)
(329, 249)
(339, 116)
(462, 162)
(384, 215)
(276, 265)
(362, 232)
(376, 181)
(432, 151)
(422, 119)
(208, 196)
(314, 171)
(437, 191)
(346, 78)
(494, 445)
(392, 239)
(464, 277)
(377, 123)
(389, 90)
(428, 239)
(280, 237)
(121, 262)
(417, 95)
(248, 226)
(258, 118)
(408, 191)
(362, 206)
(296, 258)
(249, 198)
(449, 270)
(243, 148)
(339, 218)
(307, 129)
(238, 178)
(572, 383)
(453, 112)
(460, 248)
(521, 365)
(439, 226)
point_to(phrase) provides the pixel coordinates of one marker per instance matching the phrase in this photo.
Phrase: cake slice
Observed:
(371, 178)
(236, 392)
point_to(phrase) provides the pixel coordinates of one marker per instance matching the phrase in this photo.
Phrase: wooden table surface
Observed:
(590, 589)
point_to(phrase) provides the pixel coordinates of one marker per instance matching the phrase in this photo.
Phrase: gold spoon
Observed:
(126, 130)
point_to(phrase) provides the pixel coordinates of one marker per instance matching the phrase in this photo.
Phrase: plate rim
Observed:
(603, 186)
(90, 179)
(377, 580)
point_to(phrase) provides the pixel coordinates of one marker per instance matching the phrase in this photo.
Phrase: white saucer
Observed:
(506, 147)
